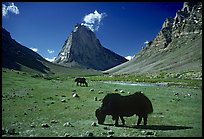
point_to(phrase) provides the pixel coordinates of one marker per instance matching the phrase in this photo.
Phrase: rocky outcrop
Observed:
(83, 49)
(177, 47)
(187, 21)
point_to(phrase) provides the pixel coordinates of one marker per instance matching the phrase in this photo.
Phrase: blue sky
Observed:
(124, 27)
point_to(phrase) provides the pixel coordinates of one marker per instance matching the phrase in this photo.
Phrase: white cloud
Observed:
(4, 11)
(50, 51)
(34, 49)
(93, 20)
(129, 57)
(146, 42)
(11, 8)
(50, 59)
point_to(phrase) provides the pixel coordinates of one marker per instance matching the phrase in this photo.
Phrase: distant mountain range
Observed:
(18, 57)
(81, 52)
(83, 49)
(177, 47)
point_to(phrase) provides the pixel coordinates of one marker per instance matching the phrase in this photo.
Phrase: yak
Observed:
(82, 81)
(124, 106)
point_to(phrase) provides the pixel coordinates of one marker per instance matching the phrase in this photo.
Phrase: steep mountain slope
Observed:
(83, 49)
(18, 57)
(177, 47)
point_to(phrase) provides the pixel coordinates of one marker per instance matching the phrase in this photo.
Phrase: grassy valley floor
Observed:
(37, 106)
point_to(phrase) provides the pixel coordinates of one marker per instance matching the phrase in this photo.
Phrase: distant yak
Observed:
(119, 106)
(81, 81)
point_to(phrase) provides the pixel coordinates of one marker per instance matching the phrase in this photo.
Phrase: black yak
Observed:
(119, 106)
(82, 81)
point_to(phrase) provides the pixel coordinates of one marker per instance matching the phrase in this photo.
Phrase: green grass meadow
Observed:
(29, 102)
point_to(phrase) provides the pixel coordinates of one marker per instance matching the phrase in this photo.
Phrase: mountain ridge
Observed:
(15, 55)
(18, 57)
(83, 49)
(177, 46)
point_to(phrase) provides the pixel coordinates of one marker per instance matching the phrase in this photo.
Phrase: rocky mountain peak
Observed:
(176, 48)
(83, 49)
(187, 21)
(81, 28)
(168, 23)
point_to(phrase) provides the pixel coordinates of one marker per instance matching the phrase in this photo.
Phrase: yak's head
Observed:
(100, 115)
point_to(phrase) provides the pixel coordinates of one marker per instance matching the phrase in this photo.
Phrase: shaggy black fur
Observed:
(82, 81)
(118, 106)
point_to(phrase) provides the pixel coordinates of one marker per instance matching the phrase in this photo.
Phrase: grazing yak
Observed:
(81, 81)
(119, 106)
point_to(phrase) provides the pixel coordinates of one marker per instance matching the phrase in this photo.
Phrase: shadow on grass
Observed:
(154, 127)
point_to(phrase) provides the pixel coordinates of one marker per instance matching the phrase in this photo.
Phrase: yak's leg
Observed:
(139, 120)
(116, 120)
(145, 119)
(123, 121)
(77, 83)
(113, 118)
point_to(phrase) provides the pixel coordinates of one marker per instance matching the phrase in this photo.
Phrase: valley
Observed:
(41, 98)
(45, 107)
